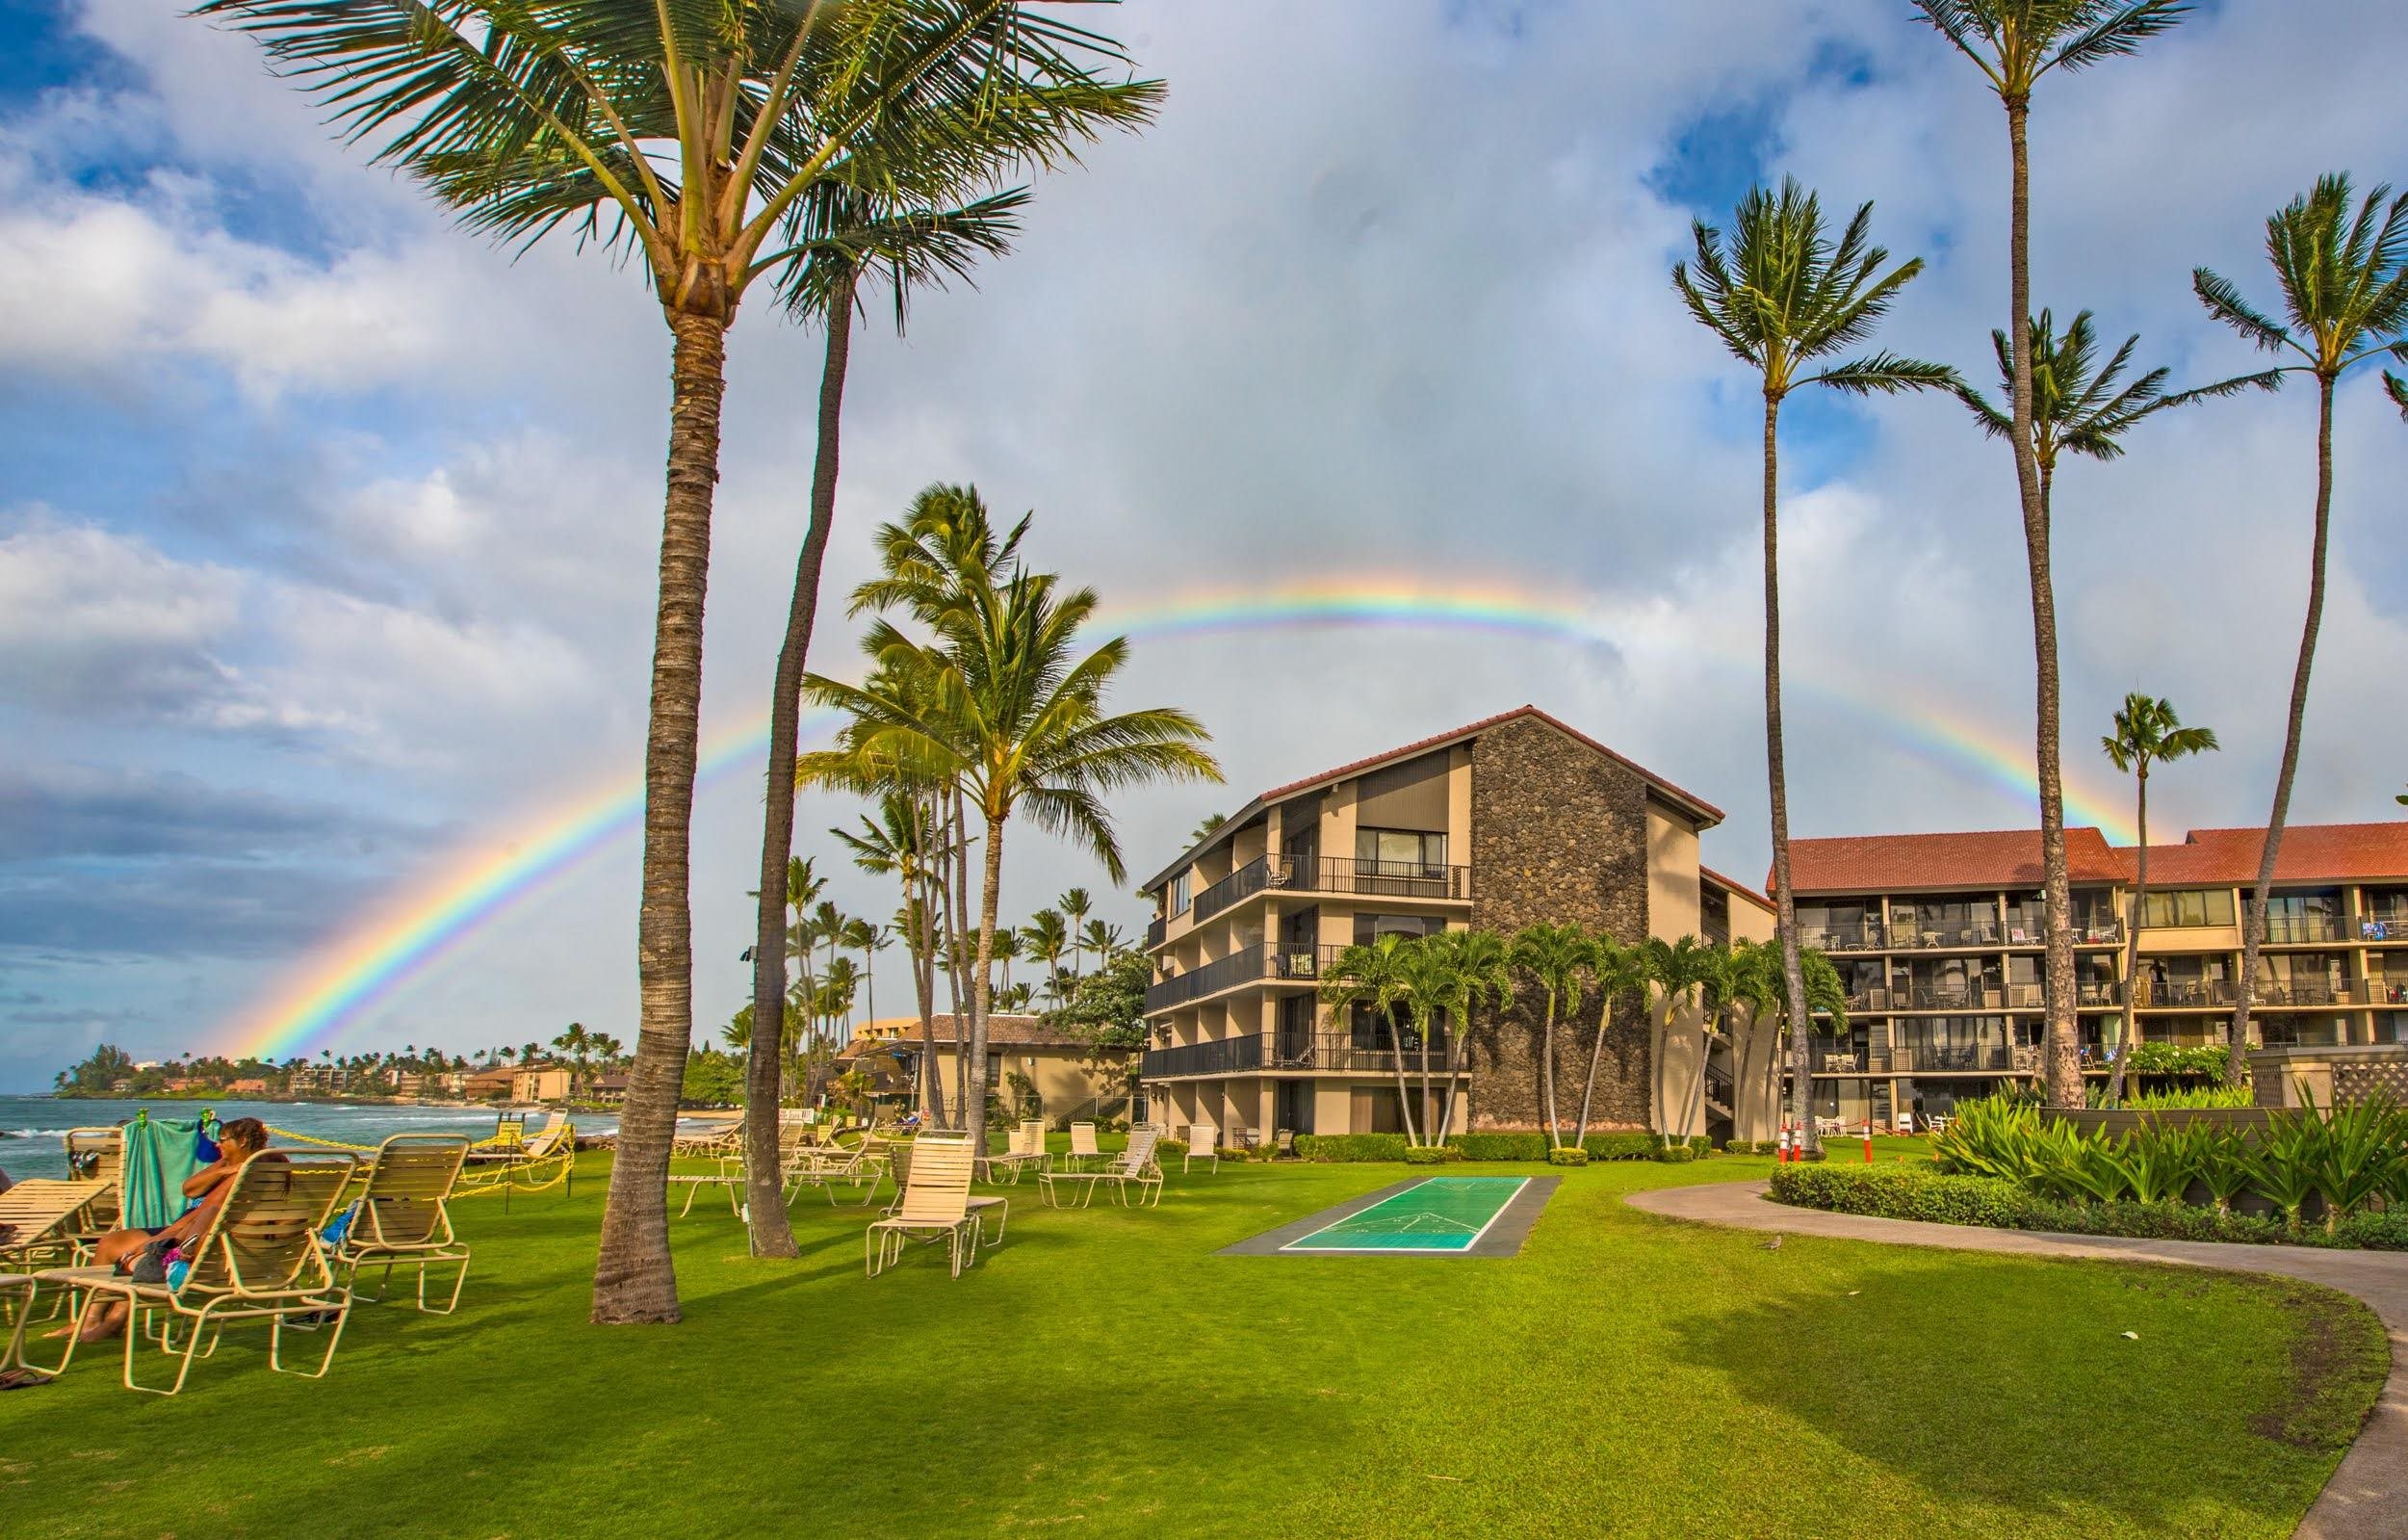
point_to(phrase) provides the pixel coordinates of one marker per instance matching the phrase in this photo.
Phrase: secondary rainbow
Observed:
(433, 919)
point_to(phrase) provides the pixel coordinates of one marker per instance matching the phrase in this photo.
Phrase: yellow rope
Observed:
(311, 1138)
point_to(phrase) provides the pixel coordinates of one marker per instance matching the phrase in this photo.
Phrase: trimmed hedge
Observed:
(1350, 1148)
(1918, 1189)
(1426, 1155)
(1567, 1156)
(1499, 1146)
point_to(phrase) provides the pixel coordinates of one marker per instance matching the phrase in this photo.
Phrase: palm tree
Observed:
(1558, 958)
(2147, 732)
(1373, 977)
(1103, 938)
(1618, 971)
(902, 843)
(1047, 939)
(2014, 43)
(2344, 282)
(1780, 294)
(1074, 906)
(1480, 971)
(1018, 727)
(1678, 972)
(691, 138)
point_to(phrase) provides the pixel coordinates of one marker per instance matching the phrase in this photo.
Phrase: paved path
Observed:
(2368, 1497)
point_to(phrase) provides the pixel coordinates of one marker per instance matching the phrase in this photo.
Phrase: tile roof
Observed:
(1989, 859)
(1737, 888)
(2010, 858)
(1711, 813)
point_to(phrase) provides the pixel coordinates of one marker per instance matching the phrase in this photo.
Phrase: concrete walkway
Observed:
(2368, 1497)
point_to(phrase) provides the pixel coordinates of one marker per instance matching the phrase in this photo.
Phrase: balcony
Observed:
(2201, 994)
(1290, 1050)
(1864, 936)
(1334, 875)
(1928, 1058)
(1289, 961)
(2295, 930)
(2305, 992)
(2384, 924)
(1906, 933)
(1155, 929)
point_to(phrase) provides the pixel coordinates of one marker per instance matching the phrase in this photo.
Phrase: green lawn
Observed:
(1103, 1373)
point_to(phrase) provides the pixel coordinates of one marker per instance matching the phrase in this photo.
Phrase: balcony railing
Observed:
(2291, 929)
(1927, 1058)
(1154, 932)
(2384, 924)
(1338, 875)
(1863, 936)
(1296, 1050)
(1291, 960)
(2188, 995)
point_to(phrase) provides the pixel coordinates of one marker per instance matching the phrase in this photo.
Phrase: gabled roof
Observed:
(1705, 812)
(1736, 888)
(1989, 859)
(2310, 853)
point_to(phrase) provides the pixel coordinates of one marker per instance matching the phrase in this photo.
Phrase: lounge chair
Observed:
(861, 1163)
(1024, 1146)
(935, 1204)
(1136, 1164)
(535, 1164)
(1084, 1147)
(710, 1139)
(46, 1218)
(259, 1260)
(98, 1154)
(1203, 1143)
(403, 1218)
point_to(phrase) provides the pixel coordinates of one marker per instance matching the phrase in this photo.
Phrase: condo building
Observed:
(1515, 819)
(1938, 940)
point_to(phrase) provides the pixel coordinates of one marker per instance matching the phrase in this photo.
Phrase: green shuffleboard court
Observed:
(1445, 1214)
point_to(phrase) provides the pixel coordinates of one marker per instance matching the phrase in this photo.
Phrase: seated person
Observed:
(238, 1142)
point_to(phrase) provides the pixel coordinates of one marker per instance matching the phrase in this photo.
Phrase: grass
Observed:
(1103, 1373)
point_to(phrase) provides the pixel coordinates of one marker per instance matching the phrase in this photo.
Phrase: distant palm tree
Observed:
(1780, 294)
(1212, 824)
(1047, 940)
(1104, 939)
(1373, 978)
(2147, 732)
(902, 843)
(1074, 906)
(1618, 971)
(2344, 282)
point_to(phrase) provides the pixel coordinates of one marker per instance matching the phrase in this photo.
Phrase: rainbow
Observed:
(403, 940)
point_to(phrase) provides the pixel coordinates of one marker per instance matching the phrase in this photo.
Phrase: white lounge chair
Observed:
(1203, 1143)
(935, 1205)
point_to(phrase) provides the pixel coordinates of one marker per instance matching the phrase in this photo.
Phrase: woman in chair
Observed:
(127, 1251)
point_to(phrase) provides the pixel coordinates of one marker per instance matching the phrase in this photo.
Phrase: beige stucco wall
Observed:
(1671, 874)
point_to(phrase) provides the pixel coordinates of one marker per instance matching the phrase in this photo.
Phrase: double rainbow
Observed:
(401, 942)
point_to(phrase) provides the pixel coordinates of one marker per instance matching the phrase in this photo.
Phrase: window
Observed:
(1370, 927)
(2179, 907)
(1182, 887)
(1400, 850)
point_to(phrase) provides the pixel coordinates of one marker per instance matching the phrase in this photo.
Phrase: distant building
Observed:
(610, 1089)
(1035, 1070)
(489, 1085)
(539, 1082)
(254, 1087)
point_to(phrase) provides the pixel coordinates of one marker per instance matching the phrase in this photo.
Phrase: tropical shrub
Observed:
(2205, 1060)
(2148, 1221)
(2358, 1152)
(1620, 1146)
(1676, 1154)
(2179, 1098)
(1350, 1147)
(1499, 1146)
(1567, 1156)
(1424, 1155)
(1901, 1190)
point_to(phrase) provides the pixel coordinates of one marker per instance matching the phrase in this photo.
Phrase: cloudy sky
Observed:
(326, 532)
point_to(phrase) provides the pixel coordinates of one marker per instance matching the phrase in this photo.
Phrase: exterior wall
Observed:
(1062, 1076)
(1752, 924)
(1558, 833)
(1673, 904)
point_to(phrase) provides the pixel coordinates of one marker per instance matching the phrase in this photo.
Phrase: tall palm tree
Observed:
(1677, 973)
(1618, 971)
(691, 138)
(1103, 938)
(2148, 732)
(1480, 972)
(2015, 43)
(1074, 906)
(1047, 940)
(1558, 958)
(1375, 978)
(1781, 295)
(1018, 724)
(1430, 977)
(902, 843)
(2345, 280)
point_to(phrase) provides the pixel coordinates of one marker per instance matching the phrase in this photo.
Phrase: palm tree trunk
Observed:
(765, 1219)
(925, 984)
(982, 987)
(2253, 930)
(1425, 1080)
(635, 1278)
(1777, 780)
(2132, 951)
(957, 928)
(1546, 1072)
(2064, 1061)
(1404, 1087)
(1596, 1055)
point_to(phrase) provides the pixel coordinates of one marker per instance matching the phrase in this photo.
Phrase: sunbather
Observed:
(131, 1251)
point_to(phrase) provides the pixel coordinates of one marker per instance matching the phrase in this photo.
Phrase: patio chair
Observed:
(98, 1154)
(934, 1205)
(1137, 1163)
(259, 1260)
(711, 1138)
(861, 1163)
(1024, 1146)
(535, 1164)
(404, 1220)
(1903, 1122)
(45, 1220)
(1084, 1147)
(1203, 1143)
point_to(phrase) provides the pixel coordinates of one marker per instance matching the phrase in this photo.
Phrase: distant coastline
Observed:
(272, 1098)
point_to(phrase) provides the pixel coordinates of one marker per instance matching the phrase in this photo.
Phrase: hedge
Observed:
(1368, 1147)
(1917, 1190)
(1499, 1146)
(1350, 1147)
(1568, 1156)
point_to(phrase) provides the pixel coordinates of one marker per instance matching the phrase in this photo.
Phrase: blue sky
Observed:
(326, 543)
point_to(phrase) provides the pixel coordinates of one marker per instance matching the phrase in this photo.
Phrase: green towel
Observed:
(159, 1154)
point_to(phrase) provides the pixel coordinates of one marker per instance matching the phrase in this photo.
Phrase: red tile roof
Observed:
(1737, 888)
(1990, 859)
(2010, 858)
(1698, 804)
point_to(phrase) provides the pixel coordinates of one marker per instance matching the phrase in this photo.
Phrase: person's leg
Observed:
(108, 1252)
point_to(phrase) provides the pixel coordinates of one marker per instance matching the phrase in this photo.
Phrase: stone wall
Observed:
(1559, 832)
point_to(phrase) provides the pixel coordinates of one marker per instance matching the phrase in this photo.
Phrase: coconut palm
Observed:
(1075, 905)
(1676, 973)
(1480, 972)
(1782, 296)
(691, 139)
(1618, 971)
(2015, 43)
(1105, 940)
(2343, 274)
(2147, 732)
(1015, 722)
(1046, 940)
(1431, 980)
(1373, 977)
(1558, 957)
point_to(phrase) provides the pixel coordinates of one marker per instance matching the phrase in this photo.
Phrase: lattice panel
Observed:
(2355, 1083)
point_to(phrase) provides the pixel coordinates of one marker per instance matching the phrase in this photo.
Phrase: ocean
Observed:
(32, 1129)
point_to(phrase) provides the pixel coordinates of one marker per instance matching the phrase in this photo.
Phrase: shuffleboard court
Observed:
(1436, 1216)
